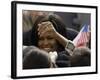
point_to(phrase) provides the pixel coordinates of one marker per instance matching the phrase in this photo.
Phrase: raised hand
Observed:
(46, 28)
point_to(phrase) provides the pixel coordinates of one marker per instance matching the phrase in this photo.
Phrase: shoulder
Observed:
(71, 33)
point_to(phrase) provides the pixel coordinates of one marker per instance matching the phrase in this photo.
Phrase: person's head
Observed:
(47, 39)
(35, 58)
(81, 57)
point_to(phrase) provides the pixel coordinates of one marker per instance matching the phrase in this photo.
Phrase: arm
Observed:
(62, 40)
(47, 27)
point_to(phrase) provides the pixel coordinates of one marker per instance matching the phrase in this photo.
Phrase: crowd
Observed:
(49, 44)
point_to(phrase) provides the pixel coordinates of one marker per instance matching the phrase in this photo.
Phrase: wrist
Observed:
(70, 46)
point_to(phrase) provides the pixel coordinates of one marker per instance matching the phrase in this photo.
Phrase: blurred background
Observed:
(71, 20)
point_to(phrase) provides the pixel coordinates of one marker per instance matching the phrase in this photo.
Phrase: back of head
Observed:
(81, 57)
(35, 59)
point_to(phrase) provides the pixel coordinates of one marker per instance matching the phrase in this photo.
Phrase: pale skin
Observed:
(46, 29)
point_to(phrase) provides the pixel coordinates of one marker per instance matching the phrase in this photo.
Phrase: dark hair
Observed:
(35, 58)
(81, 57)
(57, 23)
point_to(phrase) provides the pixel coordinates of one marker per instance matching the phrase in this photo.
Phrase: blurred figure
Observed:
(81, 57)
(35, 58)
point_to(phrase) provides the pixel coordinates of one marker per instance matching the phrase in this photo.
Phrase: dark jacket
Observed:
(63, 59)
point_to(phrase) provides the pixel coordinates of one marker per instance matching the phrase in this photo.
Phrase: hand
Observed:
(48, 28)
(45, 28)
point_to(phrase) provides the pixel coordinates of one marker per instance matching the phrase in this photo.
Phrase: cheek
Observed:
(53, 42)
(49, 42)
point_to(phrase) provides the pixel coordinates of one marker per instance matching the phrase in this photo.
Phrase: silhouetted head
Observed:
(35, 58)
(81, 57)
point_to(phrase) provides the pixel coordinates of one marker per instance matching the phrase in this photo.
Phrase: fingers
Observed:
(42, 33)
(43, 24)
(44, 27)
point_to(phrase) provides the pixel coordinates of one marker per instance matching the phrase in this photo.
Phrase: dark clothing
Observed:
(27, 38)
(63, 59)
(71, 34)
